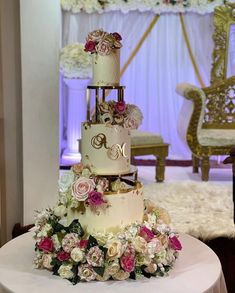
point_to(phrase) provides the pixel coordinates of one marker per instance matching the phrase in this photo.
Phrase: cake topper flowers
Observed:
(102, 43)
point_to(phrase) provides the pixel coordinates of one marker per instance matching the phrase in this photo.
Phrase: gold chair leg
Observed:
(160, 168)
(205, 168)
(195, 161)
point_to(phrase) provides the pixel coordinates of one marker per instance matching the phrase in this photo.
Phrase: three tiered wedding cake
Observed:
(102, 228)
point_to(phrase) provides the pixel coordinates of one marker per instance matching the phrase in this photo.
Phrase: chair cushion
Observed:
(216, 137)
(141, 138)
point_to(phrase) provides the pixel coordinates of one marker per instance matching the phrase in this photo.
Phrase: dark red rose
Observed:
(90, 46)
(46, 244)
(83, 243)
(120, 107)
(62, 255)
(117, 36)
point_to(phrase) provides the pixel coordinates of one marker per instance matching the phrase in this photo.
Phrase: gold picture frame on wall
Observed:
(224, 17)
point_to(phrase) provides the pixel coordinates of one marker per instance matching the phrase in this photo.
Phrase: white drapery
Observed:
(162, 62)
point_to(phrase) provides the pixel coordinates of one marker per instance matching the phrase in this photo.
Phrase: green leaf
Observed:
(104, 249)
(99, 270)
(132, 276)
(75, 227)
(91, 242)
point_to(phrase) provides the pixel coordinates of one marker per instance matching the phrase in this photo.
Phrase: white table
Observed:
(197, 270)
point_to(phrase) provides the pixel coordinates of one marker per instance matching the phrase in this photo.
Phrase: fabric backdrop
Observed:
(162, 62)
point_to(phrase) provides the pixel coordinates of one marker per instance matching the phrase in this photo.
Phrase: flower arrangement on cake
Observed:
(80, 189)
(102, 43)
(145, 249)
(75, 62)
(128, 116)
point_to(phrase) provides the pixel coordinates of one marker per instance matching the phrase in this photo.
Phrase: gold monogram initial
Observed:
(114, 152)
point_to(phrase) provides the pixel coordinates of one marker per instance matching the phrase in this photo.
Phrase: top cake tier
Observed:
(105, 50)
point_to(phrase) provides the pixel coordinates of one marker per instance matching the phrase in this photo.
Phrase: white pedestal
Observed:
(76, 115)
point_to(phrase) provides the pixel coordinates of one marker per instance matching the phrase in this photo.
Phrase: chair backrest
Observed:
(220, 96)
(220, 105)
(224, 18)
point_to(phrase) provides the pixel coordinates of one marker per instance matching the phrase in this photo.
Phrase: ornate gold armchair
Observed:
(211, 121)
(210, 111)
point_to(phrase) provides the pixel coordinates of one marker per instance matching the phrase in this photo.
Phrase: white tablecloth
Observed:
(197, 270)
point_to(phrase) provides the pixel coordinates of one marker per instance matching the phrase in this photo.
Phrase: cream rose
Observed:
(65, 271)
(121, 275)
(46, 261)
(96, 35)
(115, 249)
(112, 267)
(77, 254)
(85, 272)
(104, 48)
(154, 246)
(81, 188)
(140, 244)
(151, 268)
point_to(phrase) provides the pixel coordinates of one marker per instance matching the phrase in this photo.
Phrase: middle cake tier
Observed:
(106, 148)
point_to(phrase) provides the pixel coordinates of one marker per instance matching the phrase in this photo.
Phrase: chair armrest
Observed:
(191, 114)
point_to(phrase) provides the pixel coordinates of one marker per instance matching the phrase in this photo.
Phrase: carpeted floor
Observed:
(201, 209)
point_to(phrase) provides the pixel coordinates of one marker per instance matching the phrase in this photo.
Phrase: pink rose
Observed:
(82, 187)
(46, 244)
(129, 251)
(104, 47)
(146, 233)
(69, 242)
(63, 255)
(127, 263)
(95, 257)
(175, 243)
(120, 107)
(96, 36)
(117, 36)
(95, 198)
(83, 243)
(90, 46)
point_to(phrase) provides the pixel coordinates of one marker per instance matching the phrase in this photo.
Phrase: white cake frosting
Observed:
(106, 148)
(106, 69)
(124, 209)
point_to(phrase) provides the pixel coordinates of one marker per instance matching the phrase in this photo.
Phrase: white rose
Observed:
(46, 261)
(65, 271)
(44, 231)
(77, 254)
(56, 242)
(153, 247)
(115, 249)
(60, 211)
(140, 244)
(66, 181)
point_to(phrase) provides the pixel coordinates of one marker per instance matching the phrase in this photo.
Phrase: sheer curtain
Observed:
(161, 63)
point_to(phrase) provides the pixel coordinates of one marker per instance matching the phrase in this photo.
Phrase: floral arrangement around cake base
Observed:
(144, 249)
